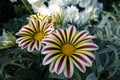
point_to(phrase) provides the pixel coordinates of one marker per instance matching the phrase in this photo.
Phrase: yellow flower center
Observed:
(39, 36)
(67, 49)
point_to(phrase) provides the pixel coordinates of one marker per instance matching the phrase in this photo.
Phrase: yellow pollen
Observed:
(38, 36)
(67, 49)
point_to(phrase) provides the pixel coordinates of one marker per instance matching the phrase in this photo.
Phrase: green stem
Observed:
(23, 1)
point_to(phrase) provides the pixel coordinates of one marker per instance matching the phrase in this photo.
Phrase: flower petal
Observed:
(50, 57)
(86, 39)
(47, 49)
(69, 69)
(81, 35)
(27, 29)
(78, 64)
(60, 34)
(52, 66)
(60, 64)
(86, 46)
(50, 41)
(83, 59)
(33, 25)
(38, 44)
(90, 55)
(71, 33)
(31, 46)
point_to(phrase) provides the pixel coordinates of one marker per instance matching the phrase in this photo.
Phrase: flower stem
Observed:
(23, 1)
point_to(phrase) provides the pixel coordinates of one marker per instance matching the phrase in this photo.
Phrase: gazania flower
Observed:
(41, 17)
(33, 33)
(66, 49)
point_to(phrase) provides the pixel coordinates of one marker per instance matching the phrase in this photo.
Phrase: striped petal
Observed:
(81, 35)
(50, 58)
(78, 64)
(60, 64)
(56, 37)
(83, 59)
(61, 35)
(86, 39)
(31, 46)
(71, 33)
(52, 66)
(33, 25)
(90, 55)
(27, 29)
(46, 50)
(87, 46)
(44, 25)
(38, 24)
(50, 41)
(38, 44)
(69, 69)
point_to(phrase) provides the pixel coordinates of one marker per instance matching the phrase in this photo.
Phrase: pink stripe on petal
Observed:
(91, 58)
(82, 59)
(33, 25)
(53, 66)
(46, 32)
(56, 37)
(38, 45)
(68, 67)
(65, 33)
(18, 40)
(87, 46)
(25, 45)
(60, 64)
(44, 25)
(51, 56)
(27, 32)
(81, 34)
(38, 22)
(49, 26)
(31, 47)
(60, 32)
(79, 64)
(71, 31)
(49, 49)
(49, 41)
(23, 41)
(26, 29)
(86, 39)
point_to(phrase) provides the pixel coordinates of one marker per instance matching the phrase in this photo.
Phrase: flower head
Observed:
(7, 40)
(33, 33)
(67, 48)
(42, 17)
(71, 14)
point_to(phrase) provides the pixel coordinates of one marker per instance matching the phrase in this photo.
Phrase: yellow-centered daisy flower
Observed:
(33, 33)
(67, 48)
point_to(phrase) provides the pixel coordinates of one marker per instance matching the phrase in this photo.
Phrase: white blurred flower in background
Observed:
(44, 10)
(84, 3)
(68, 11)
(36, 4)
(71, 13)
(13, 1)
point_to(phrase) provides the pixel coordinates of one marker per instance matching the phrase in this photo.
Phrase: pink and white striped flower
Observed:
(33, 33)
(66, 49)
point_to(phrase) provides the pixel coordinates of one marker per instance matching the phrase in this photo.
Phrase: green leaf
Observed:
(117, 63)
(27, 74)
(91, 76)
